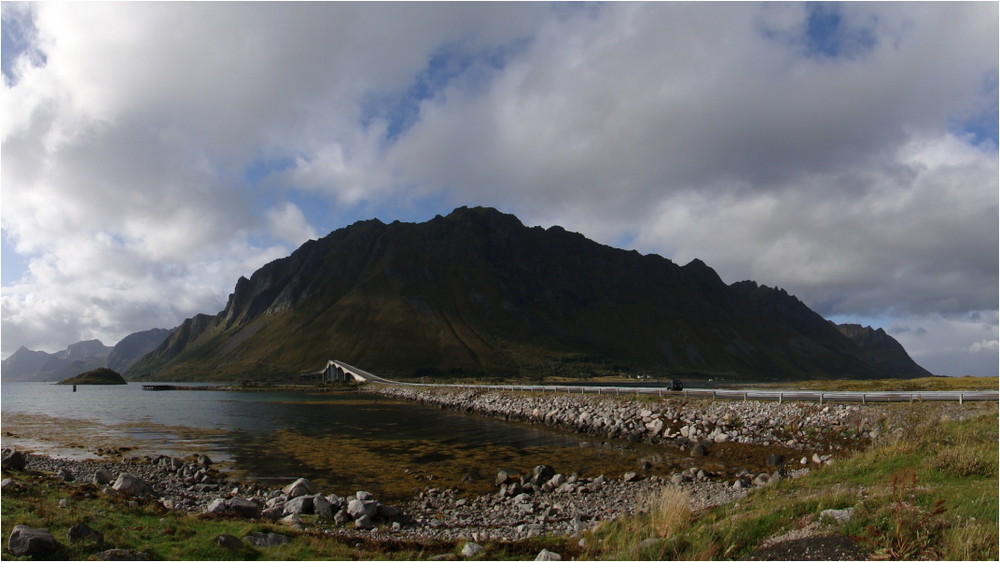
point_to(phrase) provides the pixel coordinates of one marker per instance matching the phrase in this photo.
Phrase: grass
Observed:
(926, 491)
(898, 385)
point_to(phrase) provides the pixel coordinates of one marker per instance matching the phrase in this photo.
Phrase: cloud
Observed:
(846, 152)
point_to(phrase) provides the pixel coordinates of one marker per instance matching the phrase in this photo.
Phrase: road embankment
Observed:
(684, 422)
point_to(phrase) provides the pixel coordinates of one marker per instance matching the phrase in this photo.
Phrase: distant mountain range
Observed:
(476, 293)
(27, 365)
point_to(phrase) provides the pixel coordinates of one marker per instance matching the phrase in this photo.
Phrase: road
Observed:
(777, 394)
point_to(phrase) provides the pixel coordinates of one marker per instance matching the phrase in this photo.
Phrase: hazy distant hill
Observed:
(477, 292)
(27, 365)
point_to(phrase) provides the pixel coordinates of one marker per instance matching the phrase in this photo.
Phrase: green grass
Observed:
(928, 491)
(899, 385)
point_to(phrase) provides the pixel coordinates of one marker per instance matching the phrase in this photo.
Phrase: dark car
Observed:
(676, 385)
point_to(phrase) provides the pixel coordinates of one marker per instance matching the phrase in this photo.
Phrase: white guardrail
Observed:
(724, 394)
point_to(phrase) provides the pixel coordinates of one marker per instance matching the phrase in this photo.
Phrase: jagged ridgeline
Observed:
(476, 293)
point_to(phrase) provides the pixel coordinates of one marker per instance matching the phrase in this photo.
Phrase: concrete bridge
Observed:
(340, 371)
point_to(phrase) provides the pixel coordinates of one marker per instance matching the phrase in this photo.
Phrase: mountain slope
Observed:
(477, 292)
(883, 350)
(133, 346)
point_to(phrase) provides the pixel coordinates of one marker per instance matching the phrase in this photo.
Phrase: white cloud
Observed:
(720, 131)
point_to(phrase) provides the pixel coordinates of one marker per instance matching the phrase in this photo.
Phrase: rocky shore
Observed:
(675, 421)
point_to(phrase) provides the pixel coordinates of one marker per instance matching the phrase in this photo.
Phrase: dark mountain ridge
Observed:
(478, 293)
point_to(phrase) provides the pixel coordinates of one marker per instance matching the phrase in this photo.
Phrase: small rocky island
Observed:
(102, 375)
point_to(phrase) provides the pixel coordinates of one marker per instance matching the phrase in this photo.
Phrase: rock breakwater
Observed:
(678, 421)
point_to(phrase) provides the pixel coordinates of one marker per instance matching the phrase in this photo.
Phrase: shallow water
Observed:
(341, 441)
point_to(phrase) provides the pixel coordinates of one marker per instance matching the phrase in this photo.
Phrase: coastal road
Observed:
(749, 394)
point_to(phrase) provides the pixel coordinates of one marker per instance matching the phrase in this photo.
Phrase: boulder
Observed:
(341, 516)
(364, 522)
(263, 540)
(356, 508)
(243, 507)
(631, 477)
(471, 549)
(302, 505)
(103, 477)
(322, 507)
(29, 541)
(228, 542)
(130, 485)
(65, 474)
(543, 473)
(363, 496)
(503, 477)
(216, 506)
(300, 487)
(838, 515)
(13, 460)
(548, 555)
(388, 512)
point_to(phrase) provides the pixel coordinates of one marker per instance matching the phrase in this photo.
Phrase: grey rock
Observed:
(364, 522)
(357, 508)
(503, 477)
(363, 496)
(273, 513)
(631, 477)
(13, 460)
(322, 507)
(838, 515)
(264, 540)
(243, 507)
(103, 477)
(229, 542)
(216, 506)
(81, 531)
(341, 516)
(29, 541)
(301, 505)
(548, 555)
(300, 487)
(65, 474)
(130, 485)
(471, 549)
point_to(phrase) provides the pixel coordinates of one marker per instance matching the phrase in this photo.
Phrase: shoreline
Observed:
(522, 507)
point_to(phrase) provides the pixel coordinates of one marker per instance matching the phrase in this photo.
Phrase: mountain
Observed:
(27, 365)
(133, 346)
(883, 351)
(476, 293)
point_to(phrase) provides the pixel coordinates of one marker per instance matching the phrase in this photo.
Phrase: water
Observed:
(343, 441)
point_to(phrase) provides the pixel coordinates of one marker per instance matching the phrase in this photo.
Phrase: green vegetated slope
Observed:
(478, 293)
(100, 375)
(926, 491)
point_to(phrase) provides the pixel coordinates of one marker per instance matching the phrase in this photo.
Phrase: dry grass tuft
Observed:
(669, 512)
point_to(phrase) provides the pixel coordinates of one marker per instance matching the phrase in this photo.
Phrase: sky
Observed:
(152, 153)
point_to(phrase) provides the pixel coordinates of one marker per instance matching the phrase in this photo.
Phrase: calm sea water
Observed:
(342, 439)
